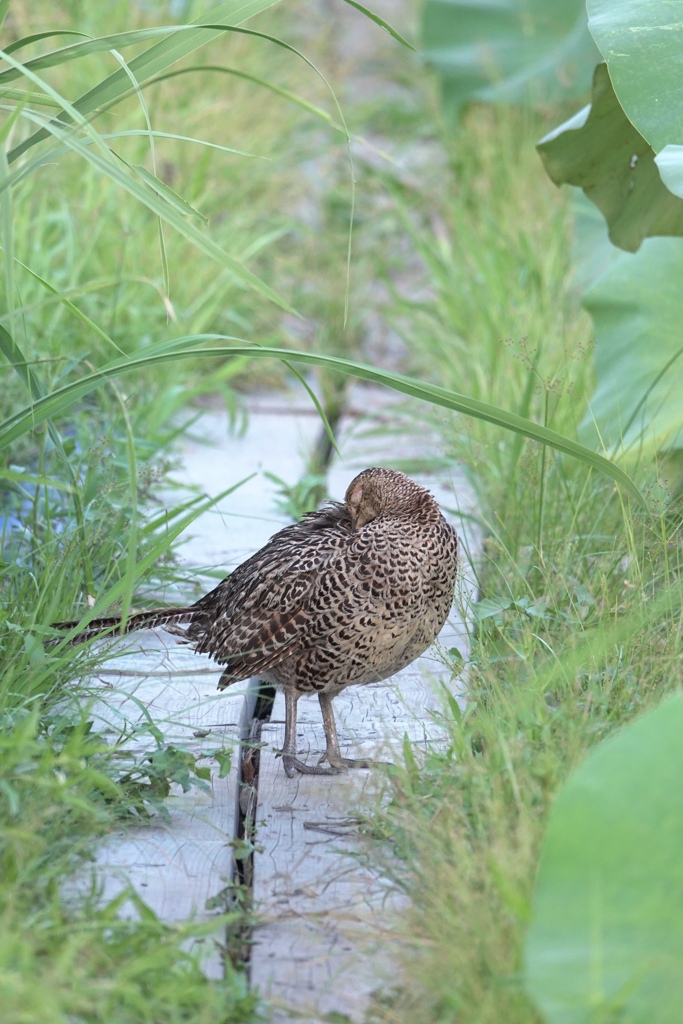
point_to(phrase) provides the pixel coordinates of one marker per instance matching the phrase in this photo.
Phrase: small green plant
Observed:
(578, 628)
(146, 785)
(294, 500)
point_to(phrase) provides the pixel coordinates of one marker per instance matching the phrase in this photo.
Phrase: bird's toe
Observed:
(342, 764)
(292, 765)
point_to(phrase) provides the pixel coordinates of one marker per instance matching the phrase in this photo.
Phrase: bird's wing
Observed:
(288, 598)
(254, 635)
(260, 614)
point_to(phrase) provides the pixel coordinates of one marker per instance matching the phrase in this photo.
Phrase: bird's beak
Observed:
(358, 520)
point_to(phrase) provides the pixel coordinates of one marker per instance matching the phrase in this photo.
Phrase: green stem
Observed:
(541, 500)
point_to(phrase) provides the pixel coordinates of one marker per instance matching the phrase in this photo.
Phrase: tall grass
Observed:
(91, 273)
(101, 249)
(580, 623)
(591, 639)
(502, 321)
(79, 960)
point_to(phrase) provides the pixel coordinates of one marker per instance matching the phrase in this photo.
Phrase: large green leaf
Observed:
(610, 153)
(606, 938)
(185, 348)
(642, 42)
(514, 51)
(600, 151)
(637, 113)
(637, 309)
(592, 252)
(670, 163)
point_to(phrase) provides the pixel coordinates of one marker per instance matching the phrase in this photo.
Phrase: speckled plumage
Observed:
(348, 595)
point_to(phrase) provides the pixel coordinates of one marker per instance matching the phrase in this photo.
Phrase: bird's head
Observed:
(376, 492)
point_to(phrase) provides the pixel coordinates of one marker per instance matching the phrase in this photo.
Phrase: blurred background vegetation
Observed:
(466, 268)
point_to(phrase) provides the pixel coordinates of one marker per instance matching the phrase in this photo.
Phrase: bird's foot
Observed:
(340, 764)
(292, 764)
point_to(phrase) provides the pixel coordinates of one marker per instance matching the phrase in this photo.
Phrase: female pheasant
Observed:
(348, 595)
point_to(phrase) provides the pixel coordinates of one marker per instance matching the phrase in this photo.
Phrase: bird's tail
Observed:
(108, 624)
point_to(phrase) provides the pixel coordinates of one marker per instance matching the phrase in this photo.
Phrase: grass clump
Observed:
(79, 523)
(580, 621)
(65, 954)
(569, 646)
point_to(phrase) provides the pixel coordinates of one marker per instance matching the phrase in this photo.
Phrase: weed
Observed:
(579, 625)
(294, 500)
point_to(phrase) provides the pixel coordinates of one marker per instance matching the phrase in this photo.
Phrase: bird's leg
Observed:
(290, 761)
(332, 754)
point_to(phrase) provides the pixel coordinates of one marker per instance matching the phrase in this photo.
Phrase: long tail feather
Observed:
(108, 624)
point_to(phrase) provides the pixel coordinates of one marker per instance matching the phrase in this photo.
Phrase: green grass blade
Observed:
(159, 204)
(103, 44)
(166, 515)
(37, 36)
(49, 156)
(129, 575)
(7, 236)
(14, 476)
(25, 96)
(118, 589)
(14, 113)
(154, 61)
(291, 49)
(103, 160)
(318, 406)
(164, 190)
(650, 388)
(106, 162)
(21, 365)
(66, 302)
(180, 138)
(64, 397)
(285, 94)
(382, 24)
(152, 179)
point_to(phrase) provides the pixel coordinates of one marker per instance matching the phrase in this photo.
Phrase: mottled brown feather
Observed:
(348, 595)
